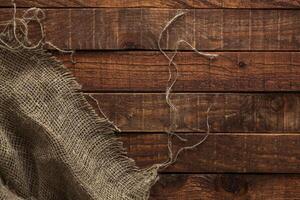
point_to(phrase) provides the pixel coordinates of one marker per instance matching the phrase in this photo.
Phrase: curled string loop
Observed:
(173, 76)
(17, 29)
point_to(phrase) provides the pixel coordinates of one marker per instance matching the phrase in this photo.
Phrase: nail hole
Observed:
(242, 64)
(232, 184)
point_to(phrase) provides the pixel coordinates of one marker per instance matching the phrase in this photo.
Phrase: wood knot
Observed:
(129, 45)
(242, 64)
(174, 181)
(233, 184)
(277, 103)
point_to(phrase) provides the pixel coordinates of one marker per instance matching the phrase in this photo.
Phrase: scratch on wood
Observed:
(250, 29)
(118, 30)
(278, 30)
(246, 165)
(93, 28)
(222, 30)
(143, 112)
(198, 114)
(70, 28)
(141, 31)
(194, 28)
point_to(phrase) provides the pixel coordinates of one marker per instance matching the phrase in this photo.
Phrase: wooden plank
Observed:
(135, 112)
(207, 29)
(223, 152)
(226, 186)
(148, 71)
(158, 3)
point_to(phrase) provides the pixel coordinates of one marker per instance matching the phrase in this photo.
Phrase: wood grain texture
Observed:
(158, 3)
(251, 132)
(206, 29)
(139, 112)
(222, 152)
(227, 186)
(148, 71)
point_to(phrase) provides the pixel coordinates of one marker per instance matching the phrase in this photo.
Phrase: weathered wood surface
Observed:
(158, 3)
(222, 152)
(148, 71)
(247, 112)
(206, 29)
(225, 187)
(251, 132)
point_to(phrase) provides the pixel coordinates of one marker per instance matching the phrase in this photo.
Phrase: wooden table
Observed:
(253, 152)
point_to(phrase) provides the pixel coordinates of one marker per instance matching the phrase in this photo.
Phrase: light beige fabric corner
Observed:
(53, 146)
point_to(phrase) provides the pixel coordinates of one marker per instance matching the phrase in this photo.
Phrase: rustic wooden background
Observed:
(254, 152)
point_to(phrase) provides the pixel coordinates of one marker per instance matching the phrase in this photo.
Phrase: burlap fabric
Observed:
(53, 146)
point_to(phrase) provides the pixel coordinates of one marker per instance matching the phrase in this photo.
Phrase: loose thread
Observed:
(198, 143)
(103, 114)
(38, 16)
(173, 109)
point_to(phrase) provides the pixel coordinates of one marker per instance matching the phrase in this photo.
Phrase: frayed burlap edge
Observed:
(147, 177)
(142, 179)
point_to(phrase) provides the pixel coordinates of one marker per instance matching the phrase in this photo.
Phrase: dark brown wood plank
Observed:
(238, 153)
(148, 71)
(229, 112)
(228, 186)
(207, 29)
(159, 3)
